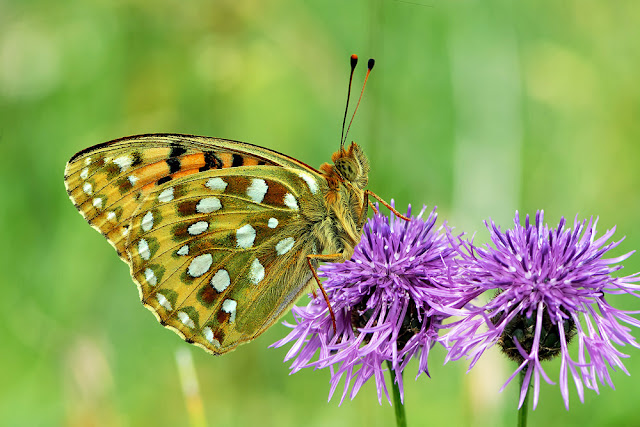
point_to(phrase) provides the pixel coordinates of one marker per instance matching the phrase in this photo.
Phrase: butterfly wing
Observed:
(215, 231)
(106, 182)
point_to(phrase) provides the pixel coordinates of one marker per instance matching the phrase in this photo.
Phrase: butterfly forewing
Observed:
(106, 182)
(218, 250)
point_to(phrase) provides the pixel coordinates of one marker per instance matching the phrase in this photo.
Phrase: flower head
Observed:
(546, 282)
(387, 301)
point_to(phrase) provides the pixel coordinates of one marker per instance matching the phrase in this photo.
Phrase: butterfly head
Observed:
(352, 165)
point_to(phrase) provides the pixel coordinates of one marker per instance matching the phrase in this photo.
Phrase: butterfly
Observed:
(222, 237)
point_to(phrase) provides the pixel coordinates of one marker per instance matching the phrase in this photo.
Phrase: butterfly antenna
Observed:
(354, 61)
(370, 65)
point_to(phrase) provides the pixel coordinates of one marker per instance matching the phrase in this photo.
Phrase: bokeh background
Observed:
(480, 108)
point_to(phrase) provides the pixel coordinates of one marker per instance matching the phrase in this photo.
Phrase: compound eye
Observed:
(347, 169)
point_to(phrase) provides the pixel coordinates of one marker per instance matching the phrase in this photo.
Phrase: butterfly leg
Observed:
(364, 211)
(325, 258)
(386, 205)
(375, 210)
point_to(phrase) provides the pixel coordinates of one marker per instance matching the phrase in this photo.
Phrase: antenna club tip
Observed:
(354, 60)
(371, 63)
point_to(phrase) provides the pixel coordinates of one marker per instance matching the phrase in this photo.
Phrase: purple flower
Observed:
(388, 301)
(546, 282)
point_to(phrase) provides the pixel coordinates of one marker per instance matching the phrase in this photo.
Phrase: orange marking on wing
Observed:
(152, 172)
(184, 173)
(249, 161)
(192, 161)
(227, 159)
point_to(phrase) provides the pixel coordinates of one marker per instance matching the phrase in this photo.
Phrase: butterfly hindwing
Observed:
(215, 231)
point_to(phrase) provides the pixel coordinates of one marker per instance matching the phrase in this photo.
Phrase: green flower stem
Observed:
(522, 412)
(401, 419)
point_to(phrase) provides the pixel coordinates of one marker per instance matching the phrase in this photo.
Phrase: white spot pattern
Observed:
(198, 228)
(221, 280)
(216, 184)
(150, 277)
(208, 334)
(273, 223)
(290, 201)
(124, 162)
(208, 205)
(256, 272)
(97, 203)
(85, 173)
(87, 161)
(257, 190)
(200, 265)
(245, 236)
(111, 216)
(229, 306)
(163, 301)
(87, 188)
(183, 250)
(186, 320)
(147, 221)
(284, 245)
(166, 195)
(133, 179)
(143, 248)
(313, 185)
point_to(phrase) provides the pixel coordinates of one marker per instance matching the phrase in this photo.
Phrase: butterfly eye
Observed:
(347, 169)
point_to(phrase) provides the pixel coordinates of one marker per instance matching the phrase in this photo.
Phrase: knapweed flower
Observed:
(387, 301)
(550, 287)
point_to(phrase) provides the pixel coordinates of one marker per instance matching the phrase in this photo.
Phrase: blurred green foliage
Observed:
(480, 108)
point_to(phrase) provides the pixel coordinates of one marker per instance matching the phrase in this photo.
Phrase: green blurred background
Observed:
(480, 108)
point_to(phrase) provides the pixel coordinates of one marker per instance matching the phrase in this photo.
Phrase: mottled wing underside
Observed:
(106, 182)
(213, 230)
